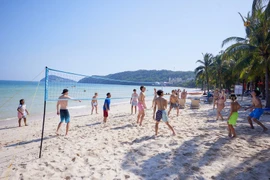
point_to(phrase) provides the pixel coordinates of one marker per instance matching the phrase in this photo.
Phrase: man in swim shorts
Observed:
(161, 103)
(62, 110)
(233, 116)
(257, 110)
(174, 103)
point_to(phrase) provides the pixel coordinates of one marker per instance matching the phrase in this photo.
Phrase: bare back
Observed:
(256, 102)
(62, 102)
(235, 106)
(161, 103)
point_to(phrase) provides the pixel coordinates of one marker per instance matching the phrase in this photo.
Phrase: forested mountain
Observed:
(144, 77)
(53, 78)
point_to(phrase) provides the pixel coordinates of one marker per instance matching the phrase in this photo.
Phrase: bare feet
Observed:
(57, 133)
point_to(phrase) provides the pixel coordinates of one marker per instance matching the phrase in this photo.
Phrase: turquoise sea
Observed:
(33, 94)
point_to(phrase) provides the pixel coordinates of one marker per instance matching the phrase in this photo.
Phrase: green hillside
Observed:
(144, 77)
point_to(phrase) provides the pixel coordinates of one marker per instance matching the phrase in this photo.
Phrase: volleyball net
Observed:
(83, 87)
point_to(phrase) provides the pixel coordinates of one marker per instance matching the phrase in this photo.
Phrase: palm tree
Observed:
(255, 46)
(204, 68)
(219, 67)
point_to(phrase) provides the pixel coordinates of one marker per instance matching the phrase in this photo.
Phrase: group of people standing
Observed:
(159, 105)
(219, 99)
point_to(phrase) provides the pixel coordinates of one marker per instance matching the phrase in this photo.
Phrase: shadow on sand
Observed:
(31, 141)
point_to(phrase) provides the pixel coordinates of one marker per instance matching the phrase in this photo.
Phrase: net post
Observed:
(44, 112)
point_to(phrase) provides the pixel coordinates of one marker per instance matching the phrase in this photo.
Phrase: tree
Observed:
(204, 68)
(255, 47)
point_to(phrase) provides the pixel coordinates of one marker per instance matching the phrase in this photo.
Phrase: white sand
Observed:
(123, 150)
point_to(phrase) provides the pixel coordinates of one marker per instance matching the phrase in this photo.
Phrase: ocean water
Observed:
(34, 92)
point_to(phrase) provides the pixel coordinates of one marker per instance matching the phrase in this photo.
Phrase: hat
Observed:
(64, 91)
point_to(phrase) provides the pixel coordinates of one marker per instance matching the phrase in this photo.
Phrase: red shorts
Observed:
(105, 113)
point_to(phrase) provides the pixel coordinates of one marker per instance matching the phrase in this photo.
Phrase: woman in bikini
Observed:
(141, 105)
(94, 103)
(220, 104)
(215, 95)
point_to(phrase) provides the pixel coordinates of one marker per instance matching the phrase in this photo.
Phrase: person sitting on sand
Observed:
(220, 104)
(134, 101)
(173, 103)
(256, 109)
(141, 105)
(22, 112)
(233, 116)
(94, 103)
(161, 103)
(62, 110)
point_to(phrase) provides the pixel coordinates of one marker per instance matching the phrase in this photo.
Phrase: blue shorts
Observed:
(64, 115)
(256, 113)
(161, 114)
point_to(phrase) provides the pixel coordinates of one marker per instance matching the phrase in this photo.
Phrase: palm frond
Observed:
(241, 17)
(233, 40)
(267, 11)
(239, 47)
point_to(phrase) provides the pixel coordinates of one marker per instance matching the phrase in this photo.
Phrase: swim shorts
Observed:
(256, 113)
(174, 105)
(161, 114)
(134, 103)
(105, 113)
(64, 115)
(140, 107)
(233, 118)
(20, 115)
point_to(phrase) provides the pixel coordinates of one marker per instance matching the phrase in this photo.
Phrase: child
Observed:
(94, 103)
(233, 116)
(106, 107)
(22, 112)
(134, 101)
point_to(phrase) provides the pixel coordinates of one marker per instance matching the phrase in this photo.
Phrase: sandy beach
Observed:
(200, 150)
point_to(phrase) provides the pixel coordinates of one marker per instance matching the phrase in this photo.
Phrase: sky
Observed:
(101, 37)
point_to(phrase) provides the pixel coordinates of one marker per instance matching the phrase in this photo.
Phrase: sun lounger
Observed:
(195, 104)
(182, 103)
